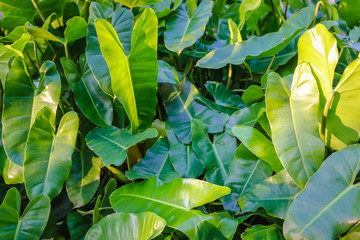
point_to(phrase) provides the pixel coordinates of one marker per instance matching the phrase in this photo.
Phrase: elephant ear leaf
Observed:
(142, 226)
(329, 190)
(294, 123)
(133, 77)
(182, 30)
(343, 120)
(174, 201)
(48, 155)
(22, 101)
(31, 224)
(318, 47)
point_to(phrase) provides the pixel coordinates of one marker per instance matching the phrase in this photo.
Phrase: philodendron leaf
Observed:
(122, 21)
(7, 52)
(78, 225)
(92, 101)
(181, 109)
(270, 232)
(76, 28)
(136, 3)
(275, 194)
(111, 144)
(330, 190)
(13, 173)
(168, 74)
(293, 117)
(48, 154)
(246, 9)
(22, 101)
(183, 30)
(264, 46)
(84, 178)
(174, 201)
(216, 155)
(259, 145)
(15, 13)
(144, 226)
(183, 157)
(318, 47)
(245, 172)
(133, 77)
(31, 224)
(207, 231)
(353, 233)
(156, 163)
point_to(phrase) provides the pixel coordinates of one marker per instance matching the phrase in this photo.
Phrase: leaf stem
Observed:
(38, 10)
(250, 72)
(36, 55)
(270, 65)
(66, 50)
(317, 10)
(229, 76)
(92, 211)
(326, 112)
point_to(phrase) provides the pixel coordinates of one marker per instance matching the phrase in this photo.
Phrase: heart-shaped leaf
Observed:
(133, 77)
(293, 117)
(48, 155)
(109, 140)
(22, 101)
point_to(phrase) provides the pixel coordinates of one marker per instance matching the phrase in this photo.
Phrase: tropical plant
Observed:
(179, 119)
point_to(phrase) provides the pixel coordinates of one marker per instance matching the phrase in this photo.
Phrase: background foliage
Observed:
(180, 119)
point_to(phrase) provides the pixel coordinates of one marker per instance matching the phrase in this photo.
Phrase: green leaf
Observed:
(48, 155)
(133, 77)
(22, 101)
(247, 7)
(92, 101)
(329, 190)
(78, 225)
(342, 123)
(293, 117)
(128, 226)
(181, 109)
(111, 143)
(84, 178)
(216, 155)
(136, 3)
(173, 201)
(245, 172)
(183, 30)
(156, 163)
(122, 21)
(165, 7)
(275, 195)
(348, 10)
(183, 157)
(32, 222)
(207, 231)
(252, 95)
(353, 233)
(259, 145)
(246, 116)
(76, 28)
(270, 232)
(235, 35)
(15, 13)
(13, 173)
(7, 52)
(168, 74)
(264, 46)
(42, 33)
(318, 47)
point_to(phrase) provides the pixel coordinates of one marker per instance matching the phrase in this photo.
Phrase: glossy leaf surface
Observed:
(22, 101)
(328, 193)
(109, 140)
(48, 154)
(134, 82)
(293, 117)
(183, 30)
(174, 201)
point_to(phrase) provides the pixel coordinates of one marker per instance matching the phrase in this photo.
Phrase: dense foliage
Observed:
(180, 119)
